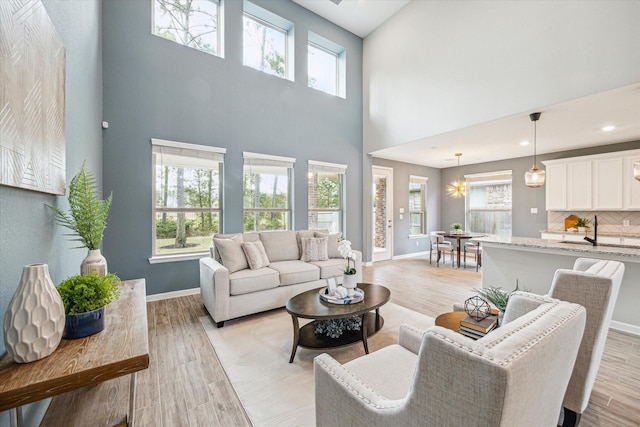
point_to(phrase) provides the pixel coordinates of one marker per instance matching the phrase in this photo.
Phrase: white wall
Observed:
(438, 66)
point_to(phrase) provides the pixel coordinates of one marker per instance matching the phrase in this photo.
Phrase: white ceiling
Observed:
(570, 125)
(360, 17)
(565, 126)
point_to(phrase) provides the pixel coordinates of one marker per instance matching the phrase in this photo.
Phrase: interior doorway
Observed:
(382, 211)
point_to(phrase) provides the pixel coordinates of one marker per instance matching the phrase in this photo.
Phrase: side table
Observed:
(122, 348)
(451, 320)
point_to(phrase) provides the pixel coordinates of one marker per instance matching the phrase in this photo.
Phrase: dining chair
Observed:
(476, 250)
(441, 246)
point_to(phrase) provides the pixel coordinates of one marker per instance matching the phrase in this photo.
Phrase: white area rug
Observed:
(254, 352)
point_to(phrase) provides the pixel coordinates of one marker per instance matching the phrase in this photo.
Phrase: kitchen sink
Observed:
(608, 245)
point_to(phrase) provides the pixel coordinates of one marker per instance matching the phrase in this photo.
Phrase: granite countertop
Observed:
(556, 246)
(590, 232)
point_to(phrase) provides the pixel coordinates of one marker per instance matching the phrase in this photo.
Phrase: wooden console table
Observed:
(122, 348)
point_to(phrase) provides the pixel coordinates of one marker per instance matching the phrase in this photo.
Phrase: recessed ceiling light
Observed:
(523, 143)
(608, 128)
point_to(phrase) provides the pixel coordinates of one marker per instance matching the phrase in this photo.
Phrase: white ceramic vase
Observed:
(34, 321)
(350, 281)
(94, 262)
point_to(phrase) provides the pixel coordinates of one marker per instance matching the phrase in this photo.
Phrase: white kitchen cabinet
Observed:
(631, 187)
(579, 188)
(556, 187)
(607, 184)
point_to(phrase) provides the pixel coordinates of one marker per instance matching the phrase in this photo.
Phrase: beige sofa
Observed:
(252, 272)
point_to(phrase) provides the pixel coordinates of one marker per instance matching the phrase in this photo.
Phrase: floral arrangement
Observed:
(347, 253)
(334, 328)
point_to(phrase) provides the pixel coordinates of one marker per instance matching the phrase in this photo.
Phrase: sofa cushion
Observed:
(331, 268)
(332, 243)
(247, 281)
(303, 234)
(280, 245)
(314, 249)
(292, 272)
(256, 255)
(231, 253)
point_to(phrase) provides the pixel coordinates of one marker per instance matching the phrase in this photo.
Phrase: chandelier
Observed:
(456, 188)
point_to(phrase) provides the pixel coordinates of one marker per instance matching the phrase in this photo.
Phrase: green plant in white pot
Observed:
(87, 219)
(85, 298)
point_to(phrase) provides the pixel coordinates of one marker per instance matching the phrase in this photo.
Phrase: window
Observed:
(194, 23)
(488, 200)
(417, 205)
(267, 189)
(266, 41)
(187, 206)
(326, 193)
(326, 65)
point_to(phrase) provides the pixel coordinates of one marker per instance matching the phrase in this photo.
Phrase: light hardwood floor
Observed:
(185, 384)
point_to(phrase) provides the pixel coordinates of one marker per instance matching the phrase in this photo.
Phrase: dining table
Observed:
(459, 237)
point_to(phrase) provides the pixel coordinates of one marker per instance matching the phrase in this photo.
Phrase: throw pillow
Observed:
(256, 255)
(332, 245)
(231, 253)
(314, 249)
(280, 245)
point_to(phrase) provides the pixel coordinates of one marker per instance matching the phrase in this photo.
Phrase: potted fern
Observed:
(85, 298)
(87, 219)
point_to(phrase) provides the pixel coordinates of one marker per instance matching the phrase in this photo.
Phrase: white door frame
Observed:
(388, 253)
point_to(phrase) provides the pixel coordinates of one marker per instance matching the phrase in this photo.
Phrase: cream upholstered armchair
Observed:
(511, 377)
(594, 284)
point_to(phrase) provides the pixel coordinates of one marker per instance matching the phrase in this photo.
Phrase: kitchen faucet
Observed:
(593, 241)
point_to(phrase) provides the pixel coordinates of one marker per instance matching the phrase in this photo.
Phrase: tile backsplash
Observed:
(608, 221)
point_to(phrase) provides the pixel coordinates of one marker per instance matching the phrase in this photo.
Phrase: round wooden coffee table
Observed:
(308, 305)
(451, 320)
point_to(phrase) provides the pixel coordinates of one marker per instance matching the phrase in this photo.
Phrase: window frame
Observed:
(423, 182)
(314, 167)
(339, 52)
(275, 22)
(257, 159)
(219, 28)
(489, 177)
(208, 151)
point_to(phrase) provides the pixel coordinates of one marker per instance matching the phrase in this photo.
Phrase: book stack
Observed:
(477, 329)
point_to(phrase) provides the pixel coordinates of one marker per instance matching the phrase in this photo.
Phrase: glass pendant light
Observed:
(534, 177)
(456, 188)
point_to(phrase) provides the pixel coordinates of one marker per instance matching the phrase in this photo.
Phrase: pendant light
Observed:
(534, 177)
(456, 188)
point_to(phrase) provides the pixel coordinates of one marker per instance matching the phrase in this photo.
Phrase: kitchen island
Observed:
(532, 263)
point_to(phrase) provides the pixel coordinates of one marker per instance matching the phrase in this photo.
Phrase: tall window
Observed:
(193, 23)
(326, 65)
(267, 188)
(266, 42)
(488, 201)
(417, 205)
(187, 207)
(326, 196)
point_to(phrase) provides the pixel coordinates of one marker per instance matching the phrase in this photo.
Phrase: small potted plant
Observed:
(349, 279)
(498, 297)
(457, 228)
(87, 218)
(84, 299)
(582, 224)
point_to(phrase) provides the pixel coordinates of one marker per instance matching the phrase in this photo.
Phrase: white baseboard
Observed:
(173, 294)
(625, 327)
(411, 255)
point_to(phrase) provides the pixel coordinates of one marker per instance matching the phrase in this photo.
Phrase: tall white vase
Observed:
(34, 320)
(94, 262)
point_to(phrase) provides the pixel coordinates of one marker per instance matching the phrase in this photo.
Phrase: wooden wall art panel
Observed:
(32, 99)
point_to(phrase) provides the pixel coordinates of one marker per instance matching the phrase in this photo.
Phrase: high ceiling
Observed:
(570, 125)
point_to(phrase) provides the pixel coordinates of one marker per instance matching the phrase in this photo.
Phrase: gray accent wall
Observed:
(524, 223)
(28, 234)
(155, 88)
